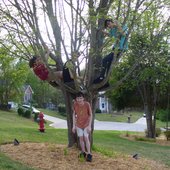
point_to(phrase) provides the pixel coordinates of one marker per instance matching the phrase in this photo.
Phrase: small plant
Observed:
(65, 151)
(127, 134)
(20, 111)
(157, 132)
(27, 114)
(62, 108)
(162, 115)
(35, 117)
(167, 134)
(81, 159)
(98, 111)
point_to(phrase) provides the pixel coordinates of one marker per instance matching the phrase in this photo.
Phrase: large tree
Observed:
(68, 26)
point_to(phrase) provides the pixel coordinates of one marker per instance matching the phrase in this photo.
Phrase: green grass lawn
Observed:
(118, 117)
(112, 142)
(124, 118)
(107, 142)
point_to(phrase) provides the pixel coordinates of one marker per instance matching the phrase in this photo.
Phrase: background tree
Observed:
(151, 76)
(79, 30)
(11, 84)
(43, 92)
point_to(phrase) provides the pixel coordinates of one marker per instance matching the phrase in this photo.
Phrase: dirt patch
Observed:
(52, 156)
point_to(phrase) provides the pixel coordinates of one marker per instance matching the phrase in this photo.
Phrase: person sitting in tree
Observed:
(41, 70)
(82, 120)
(67, 75)
(120, 45)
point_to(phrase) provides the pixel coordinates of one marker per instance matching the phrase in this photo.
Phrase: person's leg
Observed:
(55, 76)
(87, 142)
(81, 138)
(106, 63)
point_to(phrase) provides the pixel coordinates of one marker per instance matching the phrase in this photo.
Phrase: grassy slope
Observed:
(12, 126)
(111, 141)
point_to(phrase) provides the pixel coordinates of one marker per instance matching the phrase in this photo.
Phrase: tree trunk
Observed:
(148, 109)
(72, 138)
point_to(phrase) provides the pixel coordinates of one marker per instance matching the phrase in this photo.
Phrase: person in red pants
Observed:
(41, 122)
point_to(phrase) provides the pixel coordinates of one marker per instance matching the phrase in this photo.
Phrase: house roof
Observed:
(28, 87)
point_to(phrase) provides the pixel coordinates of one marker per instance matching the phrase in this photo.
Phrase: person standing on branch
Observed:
(82, 120)
(120, 45)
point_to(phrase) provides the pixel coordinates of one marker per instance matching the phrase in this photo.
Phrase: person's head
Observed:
(34, 60)
(80, 97)
(109, 23)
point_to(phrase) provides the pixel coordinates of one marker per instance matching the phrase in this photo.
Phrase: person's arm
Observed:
(74, 122)
(105, 33)
(120, 30)
(47, 52)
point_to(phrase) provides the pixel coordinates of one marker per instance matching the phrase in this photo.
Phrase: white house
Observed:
(28, 92)
(103, 103)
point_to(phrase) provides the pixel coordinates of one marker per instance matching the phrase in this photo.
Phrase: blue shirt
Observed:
(114, 33)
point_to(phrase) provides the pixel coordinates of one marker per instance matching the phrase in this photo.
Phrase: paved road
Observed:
(138, 126)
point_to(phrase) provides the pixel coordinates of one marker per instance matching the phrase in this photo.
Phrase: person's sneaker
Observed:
(82, 155)
(89, 158)
(16, 142)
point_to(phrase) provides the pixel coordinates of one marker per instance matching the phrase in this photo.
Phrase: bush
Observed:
(27, 114)
(163, 114)
(98, 111)
(157, 132)
(5, 106)
(167, 134)
(35, 117)
(20, 111)
(62, 108)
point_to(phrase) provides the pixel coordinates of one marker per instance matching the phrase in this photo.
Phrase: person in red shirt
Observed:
(82, 119)
(67, 75)
(42, 71)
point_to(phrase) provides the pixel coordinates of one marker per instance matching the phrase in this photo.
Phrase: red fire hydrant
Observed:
(41, 122)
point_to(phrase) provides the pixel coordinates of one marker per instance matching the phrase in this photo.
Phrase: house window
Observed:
(102, 105)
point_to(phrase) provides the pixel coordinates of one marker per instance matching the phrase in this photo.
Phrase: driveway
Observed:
(138, 126)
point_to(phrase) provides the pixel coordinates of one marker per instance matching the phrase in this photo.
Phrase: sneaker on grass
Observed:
(89, 158)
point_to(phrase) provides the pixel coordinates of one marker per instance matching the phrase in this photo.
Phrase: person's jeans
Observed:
(106, 63)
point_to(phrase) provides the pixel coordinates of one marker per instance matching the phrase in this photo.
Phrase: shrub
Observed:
(98, 111)
(157, 132)
(167, 134)
(163, 114)
(35, 117)
(27, 114)
(20, 111)
(62, 108)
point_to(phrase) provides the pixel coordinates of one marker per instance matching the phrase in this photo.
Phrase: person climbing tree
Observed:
(67, 75)
(120, 45)
(42, 71)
